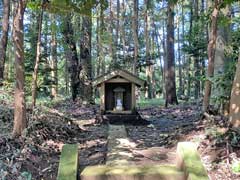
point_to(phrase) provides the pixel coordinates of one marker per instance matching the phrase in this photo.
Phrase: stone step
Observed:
(119, 146)
(152, 172)
(68, 166)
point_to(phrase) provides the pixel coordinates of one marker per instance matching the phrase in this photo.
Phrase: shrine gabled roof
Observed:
(119, 72)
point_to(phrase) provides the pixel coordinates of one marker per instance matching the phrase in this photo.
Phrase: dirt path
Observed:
(37, 154)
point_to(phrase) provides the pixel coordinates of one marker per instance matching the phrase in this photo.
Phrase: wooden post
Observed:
(102, 97)
(133, 103)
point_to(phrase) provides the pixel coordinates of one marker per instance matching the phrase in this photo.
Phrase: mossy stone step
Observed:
(68, 165)
(151, 172)
(189, 161)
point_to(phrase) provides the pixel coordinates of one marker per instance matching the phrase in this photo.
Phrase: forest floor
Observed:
(37, 153)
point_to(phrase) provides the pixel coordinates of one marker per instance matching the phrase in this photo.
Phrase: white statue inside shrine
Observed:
(119, 106)
(118, 93)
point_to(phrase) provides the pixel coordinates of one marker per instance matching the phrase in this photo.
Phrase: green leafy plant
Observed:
(236, 167)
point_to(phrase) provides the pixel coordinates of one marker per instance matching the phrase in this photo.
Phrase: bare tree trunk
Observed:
(123, 38)
(135, 34)
(73, 64)
(234, 115)
(148, 63)
(181, 88)
(117, 31)
(111, 44)
(38, 56)
(4, 38)
(20, 122)
(54, 70)
(211, 54)
(171, 97)
(101, 53)
(86, 64)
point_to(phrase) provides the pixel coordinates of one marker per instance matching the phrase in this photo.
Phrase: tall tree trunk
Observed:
(135, 34)
(38, 56)
(4, 38)
(54, 70)
(111, 44)
(101, 38)
(117, 30)
(220, 60)
(86, 64)
(211, 54)
(73, 64)
(20, 122)
(181, 88)
(123, 38)
(196, 57)
(148, 63)
(171, 97)
(234, 115)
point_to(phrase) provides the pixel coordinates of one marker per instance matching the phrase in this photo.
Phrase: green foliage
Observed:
(236, 167)
(223, 83)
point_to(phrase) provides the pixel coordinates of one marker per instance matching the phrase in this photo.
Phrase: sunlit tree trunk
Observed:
(211, 54)
(37, 60)
(86, 64)
(234, 115)
(101, 49)
(171, 97)
(20, 122)
(4, 37)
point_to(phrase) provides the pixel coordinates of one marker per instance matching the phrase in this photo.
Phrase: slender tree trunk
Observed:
(181, 88)
(234, 115)
(20, 122)
(101, 38)
(111, 44)
(211, 54)
(159, 55)
(4, 38)
(196, 57)
(135, 34)
(38, 56)
(123, 38)
(171, 97)
(54, 70)
(86, 64)
(117, 30)
(98, 65)
(73, 64)
(148, 63)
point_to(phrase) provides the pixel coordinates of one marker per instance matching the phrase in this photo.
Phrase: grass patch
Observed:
(143, 103)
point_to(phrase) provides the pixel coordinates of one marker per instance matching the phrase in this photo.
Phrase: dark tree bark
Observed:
(171, 97)
(73, 62)
(4, 38)
(37, 60)
(86, 64)
(211, 54)
(20, 122)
